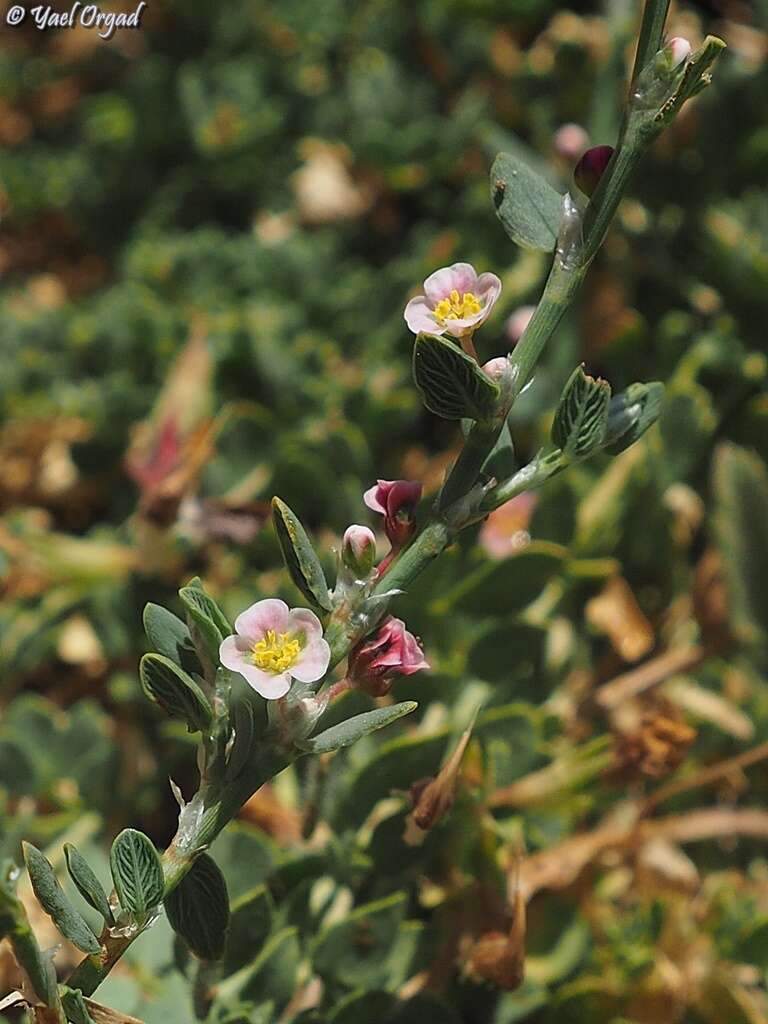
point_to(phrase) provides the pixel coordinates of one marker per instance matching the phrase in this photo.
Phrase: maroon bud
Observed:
(589, 170)
(396, 500)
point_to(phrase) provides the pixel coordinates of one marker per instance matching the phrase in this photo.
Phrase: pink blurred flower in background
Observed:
(455, 301)
(517, 322)
(272, 645)
(570, 140)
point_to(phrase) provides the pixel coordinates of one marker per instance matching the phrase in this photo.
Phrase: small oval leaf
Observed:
(136, 872)
(452, 385)
(582, 414)
(198, 909)
(88, 885)
(243, 723)
(529, 208)
(177, 693)
(170, 637)
(299, 556)
(52, 899)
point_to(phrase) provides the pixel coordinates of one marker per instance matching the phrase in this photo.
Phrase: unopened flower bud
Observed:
(675, 52)
(358, 550)
(570, 141)
(589, 170)
(396, 500)
(517, 323)
(496, 368)
(392, 651)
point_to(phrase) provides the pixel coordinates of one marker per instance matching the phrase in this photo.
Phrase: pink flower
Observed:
(589, 170)
(456, 301)
(392, 651)
(396, 500)
(272, 645)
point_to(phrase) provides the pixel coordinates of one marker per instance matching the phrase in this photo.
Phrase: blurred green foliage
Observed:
(211, 227)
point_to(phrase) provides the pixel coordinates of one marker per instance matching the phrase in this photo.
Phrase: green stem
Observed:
(219, 805)
(526, 479)
(562, 284)
(651, 34)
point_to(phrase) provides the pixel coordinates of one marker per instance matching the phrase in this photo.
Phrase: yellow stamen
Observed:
(457, 307)
(275, 652)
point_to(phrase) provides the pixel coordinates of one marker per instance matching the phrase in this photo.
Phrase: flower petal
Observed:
(313, 662)
(305, 621)
(488, 290)
(459, 276)
(376, 495)
(272, 613)
(271, 687)
(233, 651)
(420, 318)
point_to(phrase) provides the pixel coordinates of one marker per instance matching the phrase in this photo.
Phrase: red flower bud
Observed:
(391, 651)
(589, 170)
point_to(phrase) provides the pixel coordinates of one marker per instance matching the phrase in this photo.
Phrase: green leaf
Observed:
(582, 415)
(170, 637)
(73, 1001)
(243, 722)
(88, 885)
(741, 528)
(207, 623)
(14, 925)
(198, 909)
(136, 872)
(53, 901)
(249, 926)
(451, 383)
(177, 693)
(528, 207)
(299, 556)
(346, 733)
(355, 951)
(631, 413)
(505, 587)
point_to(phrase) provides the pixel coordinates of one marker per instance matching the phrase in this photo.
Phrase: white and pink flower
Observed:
(273, 645)
(456, 301)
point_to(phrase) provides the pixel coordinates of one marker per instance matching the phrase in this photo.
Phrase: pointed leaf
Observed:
(177, 693)
(198, 909)
(631, 413)
(14, 924)
(136, 872)
(299, 556)
(451, 383)
(346, 733)
(582, 414)
(741, 528)
(528, 207)
(53, 901)
(88, 885)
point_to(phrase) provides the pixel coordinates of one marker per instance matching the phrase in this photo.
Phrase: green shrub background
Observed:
(273, 180)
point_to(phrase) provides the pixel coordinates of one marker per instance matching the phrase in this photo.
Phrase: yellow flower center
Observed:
(275, 652)
(457, 307)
